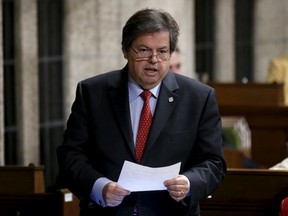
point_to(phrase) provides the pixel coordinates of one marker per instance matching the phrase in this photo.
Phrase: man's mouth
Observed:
(150, 69)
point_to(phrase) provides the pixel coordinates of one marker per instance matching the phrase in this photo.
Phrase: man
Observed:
(278, 73)
(102, 129)
(175, 61)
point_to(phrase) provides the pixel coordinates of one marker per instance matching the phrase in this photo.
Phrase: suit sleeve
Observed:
(209, 169)
(75, 171)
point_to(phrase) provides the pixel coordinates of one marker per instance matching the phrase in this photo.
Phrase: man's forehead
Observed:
(161, 39)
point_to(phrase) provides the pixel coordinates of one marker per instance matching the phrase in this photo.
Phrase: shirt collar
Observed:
(135, 90)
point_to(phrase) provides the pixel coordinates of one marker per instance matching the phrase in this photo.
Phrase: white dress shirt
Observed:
(135, 104)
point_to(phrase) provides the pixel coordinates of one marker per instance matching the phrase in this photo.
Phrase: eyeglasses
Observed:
(145, 54)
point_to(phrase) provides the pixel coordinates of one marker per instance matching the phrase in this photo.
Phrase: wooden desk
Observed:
(22, 179)
(262, 105)
(22, 192)
(44, 204)
(247, 192)
(269, 131)
(256, 94)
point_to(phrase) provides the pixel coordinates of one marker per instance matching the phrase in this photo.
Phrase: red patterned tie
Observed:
(144, 125)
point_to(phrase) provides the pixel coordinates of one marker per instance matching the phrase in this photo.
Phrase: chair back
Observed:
(284, 207)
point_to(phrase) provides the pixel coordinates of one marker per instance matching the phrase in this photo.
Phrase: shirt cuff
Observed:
(96, 193)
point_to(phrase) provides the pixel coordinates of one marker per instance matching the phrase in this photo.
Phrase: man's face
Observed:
(148, 72)
(175, 62)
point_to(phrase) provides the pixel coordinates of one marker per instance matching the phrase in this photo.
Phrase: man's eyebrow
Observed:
(163, 47)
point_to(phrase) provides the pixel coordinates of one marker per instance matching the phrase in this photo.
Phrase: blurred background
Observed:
(47, 46)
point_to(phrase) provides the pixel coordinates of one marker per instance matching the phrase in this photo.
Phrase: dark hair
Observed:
(150, 21)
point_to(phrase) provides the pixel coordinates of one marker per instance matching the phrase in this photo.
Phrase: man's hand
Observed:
(178, 187)
(113, 194)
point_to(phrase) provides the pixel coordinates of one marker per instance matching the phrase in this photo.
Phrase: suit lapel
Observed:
(165, 105)
(120, 102)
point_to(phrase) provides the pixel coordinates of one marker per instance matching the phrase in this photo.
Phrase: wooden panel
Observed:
(248, 192)
(45, 204)
(269, 131)
(258, 94)
(70, 203)
(233, 158)
(22, 179)
(22, 192)
(58, 203)
(263, 107)
(269, 146)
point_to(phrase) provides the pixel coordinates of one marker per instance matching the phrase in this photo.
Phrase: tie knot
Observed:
(146, 94)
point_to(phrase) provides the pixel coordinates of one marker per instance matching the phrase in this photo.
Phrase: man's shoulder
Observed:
(283, 58)
(111, 75)
(187, 82)
(109, 79)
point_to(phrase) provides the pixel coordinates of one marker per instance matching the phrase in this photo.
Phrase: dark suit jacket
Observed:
(98, 140)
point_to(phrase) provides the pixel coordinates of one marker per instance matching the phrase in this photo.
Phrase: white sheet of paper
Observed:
(135, 177)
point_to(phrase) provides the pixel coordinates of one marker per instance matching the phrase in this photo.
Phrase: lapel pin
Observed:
(171, 99)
